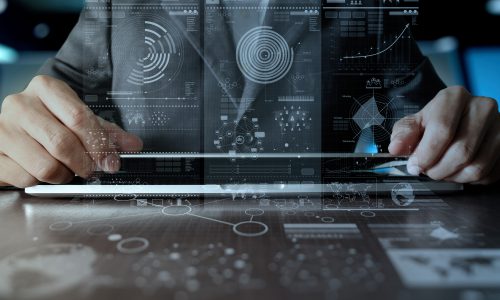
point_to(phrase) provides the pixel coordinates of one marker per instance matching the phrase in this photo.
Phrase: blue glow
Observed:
(493, 7)
(483, 67)
(372, 149)
(383, 171)
(55, 5)
(7, 55)
(3, 6)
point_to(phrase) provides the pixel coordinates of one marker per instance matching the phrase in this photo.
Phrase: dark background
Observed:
(468, 21)
(34, 29)
(18, 22)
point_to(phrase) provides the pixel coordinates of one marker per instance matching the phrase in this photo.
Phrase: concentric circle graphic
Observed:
(264, 56)
(153, 56)
(161, 48)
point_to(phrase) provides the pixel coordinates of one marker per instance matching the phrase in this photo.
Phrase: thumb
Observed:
(406, 135)
(126, 142)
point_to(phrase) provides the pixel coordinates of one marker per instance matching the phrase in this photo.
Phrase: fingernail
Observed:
(393, 144)
(471, 171)
(133, 143)
(111, 163)
(412, 166)
(396, 141)
(396, 137)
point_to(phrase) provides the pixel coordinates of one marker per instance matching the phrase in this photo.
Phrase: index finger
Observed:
(66, 106)
(440, 121)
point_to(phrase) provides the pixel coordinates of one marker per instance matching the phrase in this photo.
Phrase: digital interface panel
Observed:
(156, 72)
(252, 77)
(368, 53)
(262, 92)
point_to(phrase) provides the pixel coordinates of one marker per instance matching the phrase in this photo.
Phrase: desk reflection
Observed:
(252, 247)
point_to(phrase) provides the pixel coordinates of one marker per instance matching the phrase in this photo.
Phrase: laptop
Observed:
(249, 175)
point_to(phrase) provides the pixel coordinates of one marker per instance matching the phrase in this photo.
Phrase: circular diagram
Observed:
(154, 56)
(132, 245)
(60, 226)
(159, 118)
(373, 112)
(250, 228)
(264, 56)
(295, 125)
(402, 194)
(242, 137)
(368, 214)
(293, 119)
(176, 210)
(253, 212)
(125, 197)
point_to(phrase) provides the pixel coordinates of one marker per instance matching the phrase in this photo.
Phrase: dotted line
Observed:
(140, 6)
(263, 7)
(140, 195)
(144, 106)
(165, 153)
(162, 129)
(254, 176)
(194, 9)
(188, 176)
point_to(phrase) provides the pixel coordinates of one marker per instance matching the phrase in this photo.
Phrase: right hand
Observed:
(46, 133)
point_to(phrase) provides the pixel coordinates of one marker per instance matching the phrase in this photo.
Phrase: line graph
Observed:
(381, 51)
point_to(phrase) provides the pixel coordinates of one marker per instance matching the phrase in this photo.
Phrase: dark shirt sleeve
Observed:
(84, 60)
(421, 85)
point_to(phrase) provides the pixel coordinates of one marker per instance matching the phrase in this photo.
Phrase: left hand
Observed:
(455, 137)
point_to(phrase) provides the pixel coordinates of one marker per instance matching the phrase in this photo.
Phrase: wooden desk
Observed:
(253, 248)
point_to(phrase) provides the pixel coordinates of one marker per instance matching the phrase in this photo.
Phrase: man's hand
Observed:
(456, 137)
(48, 135)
